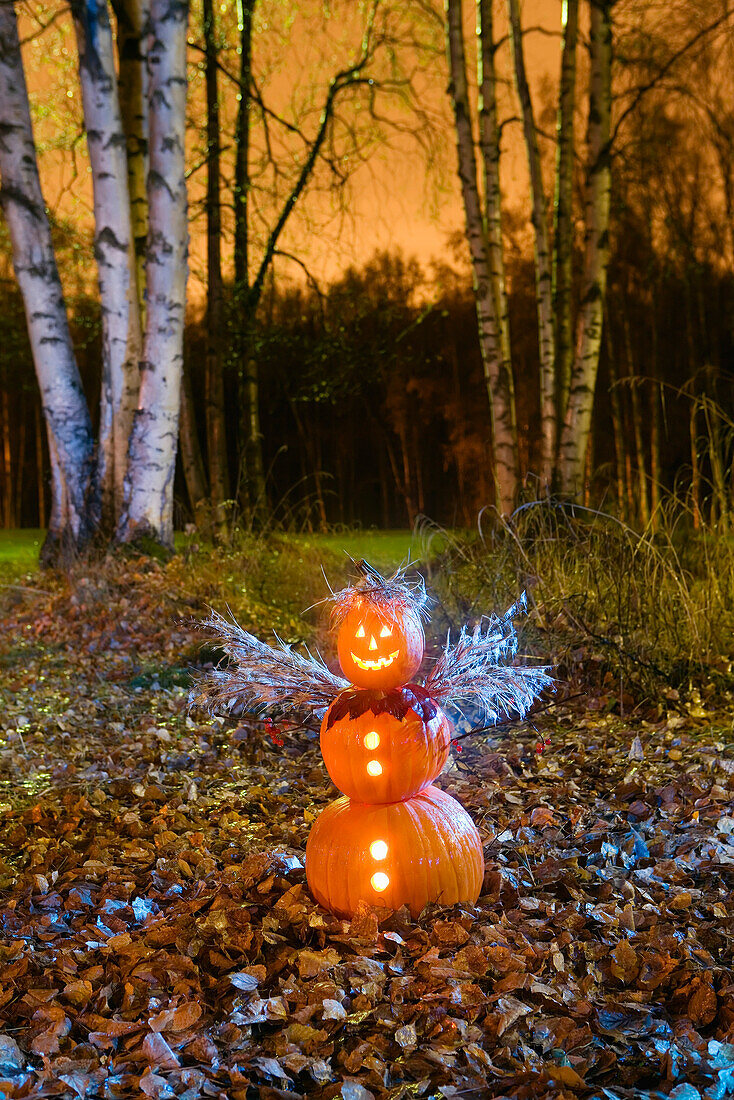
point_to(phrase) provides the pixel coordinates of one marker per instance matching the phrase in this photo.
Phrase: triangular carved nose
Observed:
(373, 643)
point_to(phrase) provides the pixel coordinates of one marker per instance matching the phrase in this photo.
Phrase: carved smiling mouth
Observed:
(372, 666)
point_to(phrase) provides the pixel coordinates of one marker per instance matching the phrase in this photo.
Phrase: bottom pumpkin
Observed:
(426, 849)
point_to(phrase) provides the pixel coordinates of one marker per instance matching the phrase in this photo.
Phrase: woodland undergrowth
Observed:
(156, 934)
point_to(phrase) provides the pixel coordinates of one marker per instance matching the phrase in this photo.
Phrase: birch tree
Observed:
(543, 278)
(132, 18)
(148, 505)
(577, 420)
(564, 402)
(114, 250)
(498, 372)
(489, 146)
(563, 229)
(142, 499)
(74, 509)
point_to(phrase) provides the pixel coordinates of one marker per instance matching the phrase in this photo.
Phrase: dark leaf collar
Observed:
(357, 701)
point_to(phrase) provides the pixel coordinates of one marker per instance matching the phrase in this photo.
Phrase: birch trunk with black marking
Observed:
(148, 509)
(499, 385)
(114, 250)
(543, 280)
(74, 511)
(214, 379)
(577, 423)
(562, 267)
(489, 145)
(132, 28)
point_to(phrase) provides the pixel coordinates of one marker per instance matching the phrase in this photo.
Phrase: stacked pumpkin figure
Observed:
(393, 838)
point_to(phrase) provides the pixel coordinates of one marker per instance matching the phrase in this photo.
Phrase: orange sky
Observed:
(394, 201)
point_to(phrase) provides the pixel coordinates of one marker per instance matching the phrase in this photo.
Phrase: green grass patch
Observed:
(19, 548)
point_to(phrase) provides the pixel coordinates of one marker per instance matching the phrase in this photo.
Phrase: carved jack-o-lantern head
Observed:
(380, 635)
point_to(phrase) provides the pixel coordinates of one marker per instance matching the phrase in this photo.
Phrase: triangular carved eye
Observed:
(360, 631)
(386, 631)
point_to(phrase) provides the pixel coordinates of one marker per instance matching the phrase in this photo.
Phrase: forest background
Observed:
(291, 351)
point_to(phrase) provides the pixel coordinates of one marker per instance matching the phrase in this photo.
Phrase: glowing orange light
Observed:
(374, 767)
(380, 881)
(378, 849)
(372, 740)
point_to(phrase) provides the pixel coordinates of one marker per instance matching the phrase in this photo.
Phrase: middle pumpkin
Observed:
(387, 751)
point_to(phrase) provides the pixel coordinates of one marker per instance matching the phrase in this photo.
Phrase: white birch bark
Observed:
(148, 510)
(489, 145)
(132, 22)
(577, 423)
(73, 509)
(543, 284)
(114, 250)
(563, 235)
(501, 398)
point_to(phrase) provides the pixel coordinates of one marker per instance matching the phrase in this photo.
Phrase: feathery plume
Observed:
(476, 669)
(261, 677)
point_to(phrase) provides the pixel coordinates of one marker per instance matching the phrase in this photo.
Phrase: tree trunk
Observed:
(577, 423)
(499, 384)
(148, 511)
(74, 511)
(562, 269)
(245, 11)
(7, 461)
(695, 463)
(655, 397)
(40, 467)
(489, 144)
(20, 469)
(191, 461)
(543, 282)
(252, 457)
(132, 24)
(617, 423)
(712, 416)
(215, 418)
(254, 500)
(114, 250)
(643, 506)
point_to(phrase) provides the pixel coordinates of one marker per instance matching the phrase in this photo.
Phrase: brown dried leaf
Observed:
(625, 964)
(176, 1019)
(702, 1004)
(158, 1052)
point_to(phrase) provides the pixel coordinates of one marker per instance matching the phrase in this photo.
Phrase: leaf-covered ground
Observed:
(157, 938)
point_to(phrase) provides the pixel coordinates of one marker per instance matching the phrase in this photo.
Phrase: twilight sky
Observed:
(394, 200)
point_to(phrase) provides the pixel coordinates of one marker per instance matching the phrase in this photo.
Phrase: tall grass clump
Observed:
(656, 607)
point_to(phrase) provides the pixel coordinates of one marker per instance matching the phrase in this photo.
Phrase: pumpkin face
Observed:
(380, 650)
(382, 758)
(426, 849)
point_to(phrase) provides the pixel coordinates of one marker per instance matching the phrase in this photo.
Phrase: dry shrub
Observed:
(656, 607)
